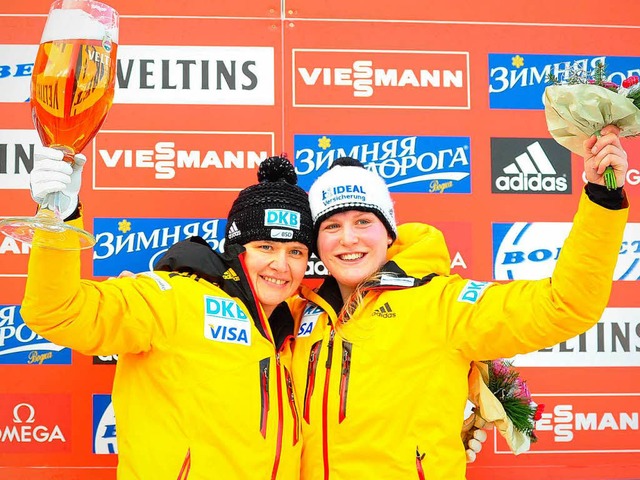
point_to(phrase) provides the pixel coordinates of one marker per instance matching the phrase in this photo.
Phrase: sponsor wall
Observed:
(443, 101)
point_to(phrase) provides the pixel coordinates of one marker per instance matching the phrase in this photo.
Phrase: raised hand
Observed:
(603, 151)
(51, 174)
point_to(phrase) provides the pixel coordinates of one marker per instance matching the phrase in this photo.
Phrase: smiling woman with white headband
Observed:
(384, 345)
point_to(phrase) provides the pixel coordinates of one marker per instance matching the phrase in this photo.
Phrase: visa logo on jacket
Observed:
(309, 319)
(224, 321)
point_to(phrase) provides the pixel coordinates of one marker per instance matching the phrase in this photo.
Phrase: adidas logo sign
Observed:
(384, 311)
(530, 171)
(234, 231)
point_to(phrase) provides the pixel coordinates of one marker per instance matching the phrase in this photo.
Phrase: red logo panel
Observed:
(35, 423)
(380, 78)
(588, 423)
(178, 160)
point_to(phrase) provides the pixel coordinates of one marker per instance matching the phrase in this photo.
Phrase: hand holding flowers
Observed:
(584, 103)
(501, 397)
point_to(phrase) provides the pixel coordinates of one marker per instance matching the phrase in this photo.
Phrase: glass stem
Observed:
(52, 202)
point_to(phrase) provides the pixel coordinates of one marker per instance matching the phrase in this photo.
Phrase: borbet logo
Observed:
(174, 160)
(35, 423)
(381, 79)
(104, 425)
(521, 165)
(586, 423)
(529, 251)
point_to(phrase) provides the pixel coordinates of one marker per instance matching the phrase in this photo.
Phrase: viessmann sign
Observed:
(332, 78)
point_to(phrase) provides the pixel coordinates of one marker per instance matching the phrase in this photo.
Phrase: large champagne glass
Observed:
(72, 89)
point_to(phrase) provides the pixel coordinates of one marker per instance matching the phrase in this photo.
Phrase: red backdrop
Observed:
(303, 57)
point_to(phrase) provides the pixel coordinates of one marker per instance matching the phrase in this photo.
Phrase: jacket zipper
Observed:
(264, 395)
(344, 379)
(186, 466)
(311, 378)
(325, 402)
(292, 404)
(419, 459)
(276, 461)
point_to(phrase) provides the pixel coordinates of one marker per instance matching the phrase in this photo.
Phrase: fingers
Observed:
(41, 152)
(610, 129)
(123, 274)
(608, 155)
(471, 456)
(50, 176)
(604, 140)
(475, 445)
(606, 151)
(480, 435)
(50, 166)
(79, 160)
(608, 135)
(589, 143)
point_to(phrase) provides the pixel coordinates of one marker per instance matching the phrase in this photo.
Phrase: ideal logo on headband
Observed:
(344, 193)
(277, 217)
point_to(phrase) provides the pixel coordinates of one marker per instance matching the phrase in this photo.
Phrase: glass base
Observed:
(53, 232)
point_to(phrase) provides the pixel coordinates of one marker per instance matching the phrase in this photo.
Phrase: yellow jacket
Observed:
(200, 392)
(382, 396)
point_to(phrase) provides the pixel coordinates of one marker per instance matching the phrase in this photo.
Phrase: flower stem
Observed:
(609, 175)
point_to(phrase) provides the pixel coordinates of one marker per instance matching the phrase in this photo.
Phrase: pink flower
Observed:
(522, 391)
(500, 368)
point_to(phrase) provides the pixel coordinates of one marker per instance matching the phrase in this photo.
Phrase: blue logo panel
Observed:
(104, 425)
(136, 244)
(407, 164)
(19, 345)
(517, 81)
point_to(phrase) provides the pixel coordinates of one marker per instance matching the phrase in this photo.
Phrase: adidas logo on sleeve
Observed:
(384, 311)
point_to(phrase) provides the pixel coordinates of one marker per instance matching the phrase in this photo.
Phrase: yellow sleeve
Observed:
(95, 318)
(523, 316)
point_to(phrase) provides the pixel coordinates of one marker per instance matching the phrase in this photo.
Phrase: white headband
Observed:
(346, 187)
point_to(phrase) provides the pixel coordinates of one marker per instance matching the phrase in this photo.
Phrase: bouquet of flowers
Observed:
(501, 397)
(584, 102)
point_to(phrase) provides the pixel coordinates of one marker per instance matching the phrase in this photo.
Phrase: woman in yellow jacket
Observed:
(202, 388)
(383, 346)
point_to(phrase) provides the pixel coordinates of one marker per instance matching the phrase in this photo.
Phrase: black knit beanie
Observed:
(275, 209)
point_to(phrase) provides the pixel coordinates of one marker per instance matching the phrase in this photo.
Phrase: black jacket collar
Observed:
(195, 256)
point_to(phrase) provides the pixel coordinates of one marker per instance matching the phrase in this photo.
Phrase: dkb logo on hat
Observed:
(282, 218)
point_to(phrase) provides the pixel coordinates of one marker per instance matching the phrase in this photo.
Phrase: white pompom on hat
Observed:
(348, 185)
